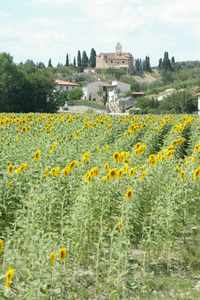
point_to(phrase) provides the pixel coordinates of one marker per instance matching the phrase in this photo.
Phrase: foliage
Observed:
(179, 102)
(85, 60)
(75, 94)
(92, 58)
(67, 60)
(25, 88)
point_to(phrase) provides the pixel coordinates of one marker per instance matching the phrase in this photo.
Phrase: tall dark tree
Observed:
(85, 60)
(173, 60)
(67, 60)
(74, 62)
(166, 64)
(93, 55)
(160, 63)
(139, 66)
(50, 63)
(147, 64)
(41, 65)
(79, 60)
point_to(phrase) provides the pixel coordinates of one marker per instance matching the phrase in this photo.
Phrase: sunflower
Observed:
(37, 155)
(140, 148)
(63, 253)
(112, 173)
(2, 245)
(129, 194)
(52, 258)
(152, 160)
(55, 172)
(66, 171)
(132, 172)
(196, 173)
(9, 276)
(197, 148)
(94, 171)
(73, 164)
(10, 169)
(116, 157)
(86, 157)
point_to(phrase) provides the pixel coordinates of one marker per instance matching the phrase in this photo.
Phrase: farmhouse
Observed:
(104, 91)
(63, 85)
(115, 60)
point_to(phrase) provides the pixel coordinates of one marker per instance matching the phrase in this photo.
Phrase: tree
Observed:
(25, 87)
(180, 102)
(74, 63)
(41, 65)
(166, 64)
(173, 60)
(40, 92)
(85, 60)
(147, 64)
(160, 63)
(139, 66)
(75, 94)
(93, 58)
(79, 60)
(12, 85)
(50, 63)
(67, 60)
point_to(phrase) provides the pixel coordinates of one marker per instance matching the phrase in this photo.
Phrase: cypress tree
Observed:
(85, 60)
(93, 58)
(166, 64)
(148, 64)
(79, 60)
(67, 60)
(173, 60)
(160, 64)
(74, 63)
(50, 63)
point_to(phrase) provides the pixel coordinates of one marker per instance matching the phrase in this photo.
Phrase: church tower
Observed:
(118, 49)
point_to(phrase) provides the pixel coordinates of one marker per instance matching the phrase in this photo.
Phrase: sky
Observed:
(43, 29)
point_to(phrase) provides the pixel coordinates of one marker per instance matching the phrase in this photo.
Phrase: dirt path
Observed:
(82, 109)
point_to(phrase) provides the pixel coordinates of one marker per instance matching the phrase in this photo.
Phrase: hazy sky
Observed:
(40, 29)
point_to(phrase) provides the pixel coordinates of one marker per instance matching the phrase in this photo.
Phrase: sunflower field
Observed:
(99, 207)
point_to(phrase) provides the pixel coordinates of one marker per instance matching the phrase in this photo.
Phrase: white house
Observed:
(63, 85)
(101, 90)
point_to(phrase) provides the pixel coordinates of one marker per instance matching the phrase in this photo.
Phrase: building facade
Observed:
(104, 91)
(63, 85)
(115, 60)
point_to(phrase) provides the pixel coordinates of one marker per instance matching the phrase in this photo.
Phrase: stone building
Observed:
(64, 85)
(115, 60)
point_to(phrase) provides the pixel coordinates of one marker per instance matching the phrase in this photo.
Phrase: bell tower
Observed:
(118, 49)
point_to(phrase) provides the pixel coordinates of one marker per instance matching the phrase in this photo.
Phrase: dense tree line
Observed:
(142, 66)
(166, 64)
(83, 61)
(27, 87)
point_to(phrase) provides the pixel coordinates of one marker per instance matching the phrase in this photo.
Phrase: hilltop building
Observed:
(115, 60)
